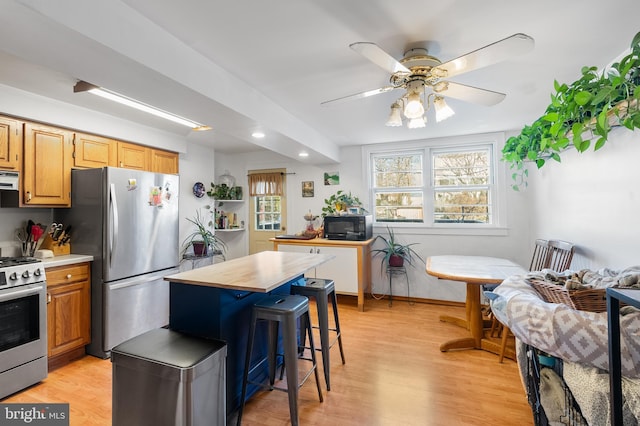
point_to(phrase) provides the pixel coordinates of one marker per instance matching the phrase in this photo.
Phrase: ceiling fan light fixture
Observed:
(83, 86)
(414, 107)
(443, 111)
(417, 123)
(395, 118)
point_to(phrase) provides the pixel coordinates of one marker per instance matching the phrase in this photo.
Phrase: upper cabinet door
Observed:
(10, 143)
(132, 156)
(94, 151)
(48, 155)
(164, 161)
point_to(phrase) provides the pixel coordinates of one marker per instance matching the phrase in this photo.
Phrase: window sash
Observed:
(475, 187)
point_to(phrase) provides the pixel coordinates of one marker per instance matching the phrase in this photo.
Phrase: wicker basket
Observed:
(592, 300)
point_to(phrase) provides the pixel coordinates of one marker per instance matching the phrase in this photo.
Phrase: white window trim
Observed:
(499, 206)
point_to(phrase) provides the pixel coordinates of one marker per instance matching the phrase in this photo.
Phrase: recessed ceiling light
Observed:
(257, 135)
(303, 154)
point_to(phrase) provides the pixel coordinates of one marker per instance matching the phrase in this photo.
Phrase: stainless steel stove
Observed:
(23, 323)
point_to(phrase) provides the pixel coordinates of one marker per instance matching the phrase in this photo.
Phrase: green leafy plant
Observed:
(393, 248)
(203, 234)
(579, 113)
(340, 201)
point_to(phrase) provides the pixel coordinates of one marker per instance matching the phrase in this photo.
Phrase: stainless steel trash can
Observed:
(163, 377)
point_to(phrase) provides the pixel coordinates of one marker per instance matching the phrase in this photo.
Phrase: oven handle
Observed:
(21, 292)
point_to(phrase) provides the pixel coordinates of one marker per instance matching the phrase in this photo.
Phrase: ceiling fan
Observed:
(418, 73)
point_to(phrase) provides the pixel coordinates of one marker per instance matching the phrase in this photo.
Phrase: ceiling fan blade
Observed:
(496, 52)
(469, 94)
(375, 54)
(359, 95)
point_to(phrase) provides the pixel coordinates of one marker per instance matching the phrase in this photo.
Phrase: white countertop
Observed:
(68, 259)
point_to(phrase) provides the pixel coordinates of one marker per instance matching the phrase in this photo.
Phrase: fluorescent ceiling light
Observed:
(257, 135)
(303, 154)
(83, 86)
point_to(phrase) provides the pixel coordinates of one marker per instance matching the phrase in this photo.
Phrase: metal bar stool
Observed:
(322, 290)
(281, 310)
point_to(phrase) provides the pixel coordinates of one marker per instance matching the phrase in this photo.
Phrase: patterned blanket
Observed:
(559, 330)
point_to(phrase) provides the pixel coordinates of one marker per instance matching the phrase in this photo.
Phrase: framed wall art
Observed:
(307, 188)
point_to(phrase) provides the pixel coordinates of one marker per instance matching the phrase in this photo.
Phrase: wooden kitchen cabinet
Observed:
(92, 151)
(48, 156)
(10, 143)
(68, 312)
(164, 161)
(132, 156)
(350, 269)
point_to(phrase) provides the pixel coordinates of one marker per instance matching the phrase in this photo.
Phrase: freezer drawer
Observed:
(135, 306)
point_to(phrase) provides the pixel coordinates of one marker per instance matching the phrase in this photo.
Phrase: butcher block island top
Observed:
(261, 272)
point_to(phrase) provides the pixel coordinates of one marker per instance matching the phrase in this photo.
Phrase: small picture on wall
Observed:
(332, 178)
(307, 188)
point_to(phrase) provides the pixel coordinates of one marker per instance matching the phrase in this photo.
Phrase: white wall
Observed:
(591, 199)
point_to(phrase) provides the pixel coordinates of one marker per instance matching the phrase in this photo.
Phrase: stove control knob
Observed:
(37, 273)
(26, 274)
(13, 276)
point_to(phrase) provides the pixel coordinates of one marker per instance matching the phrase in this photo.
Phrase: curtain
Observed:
(266, 184)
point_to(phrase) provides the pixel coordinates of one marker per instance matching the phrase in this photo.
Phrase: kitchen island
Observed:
(215, 302)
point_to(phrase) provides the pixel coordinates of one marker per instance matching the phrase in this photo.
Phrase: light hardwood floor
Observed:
(394, 374)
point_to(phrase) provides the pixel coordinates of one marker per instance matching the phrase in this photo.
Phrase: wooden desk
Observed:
(216, 302)
(474, 271)
(350, 269)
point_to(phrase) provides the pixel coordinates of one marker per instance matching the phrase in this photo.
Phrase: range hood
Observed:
(9, 181)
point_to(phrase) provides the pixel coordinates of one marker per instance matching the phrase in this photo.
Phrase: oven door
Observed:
(23, 325)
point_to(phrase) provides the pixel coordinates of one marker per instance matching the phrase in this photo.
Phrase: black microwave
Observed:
(355, 227)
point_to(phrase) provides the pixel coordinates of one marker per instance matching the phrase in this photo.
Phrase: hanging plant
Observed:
(578, 114)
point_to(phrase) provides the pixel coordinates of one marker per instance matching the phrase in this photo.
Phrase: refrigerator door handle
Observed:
(113, 238)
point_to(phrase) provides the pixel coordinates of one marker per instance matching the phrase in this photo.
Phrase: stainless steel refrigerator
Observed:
(128, 221)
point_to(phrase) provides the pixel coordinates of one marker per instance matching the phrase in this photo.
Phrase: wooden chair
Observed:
(553, 254)
(540, 255)
(560, 255)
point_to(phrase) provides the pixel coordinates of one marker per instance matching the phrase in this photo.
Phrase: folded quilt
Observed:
(577, 336)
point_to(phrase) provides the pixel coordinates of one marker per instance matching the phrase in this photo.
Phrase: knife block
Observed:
(58, 250)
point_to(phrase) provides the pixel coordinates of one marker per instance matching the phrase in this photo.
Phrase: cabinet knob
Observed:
(317, 251)
(48, 298)
(68, 276)
(27, 196)
(311, 250)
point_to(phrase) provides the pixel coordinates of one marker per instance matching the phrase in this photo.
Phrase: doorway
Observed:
(267, 208)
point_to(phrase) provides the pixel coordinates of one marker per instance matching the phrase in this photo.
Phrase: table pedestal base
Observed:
(475, 324)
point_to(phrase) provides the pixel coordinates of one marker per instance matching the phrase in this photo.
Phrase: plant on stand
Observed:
(202, 239)
(394, 253)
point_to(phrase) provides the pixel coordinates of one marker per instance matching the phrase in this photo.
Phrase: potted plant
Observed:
(202, 238)
(393, 253)
(339, 202)
(584, 110)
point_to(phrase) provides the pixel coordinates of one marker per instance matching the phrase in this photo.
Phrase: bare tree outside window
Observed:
(460, 181)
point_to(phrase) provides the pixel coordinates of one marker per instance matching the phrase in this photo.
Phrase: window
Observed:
(461, 185)
(267, 214)
(398, 187)
(443, 183)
